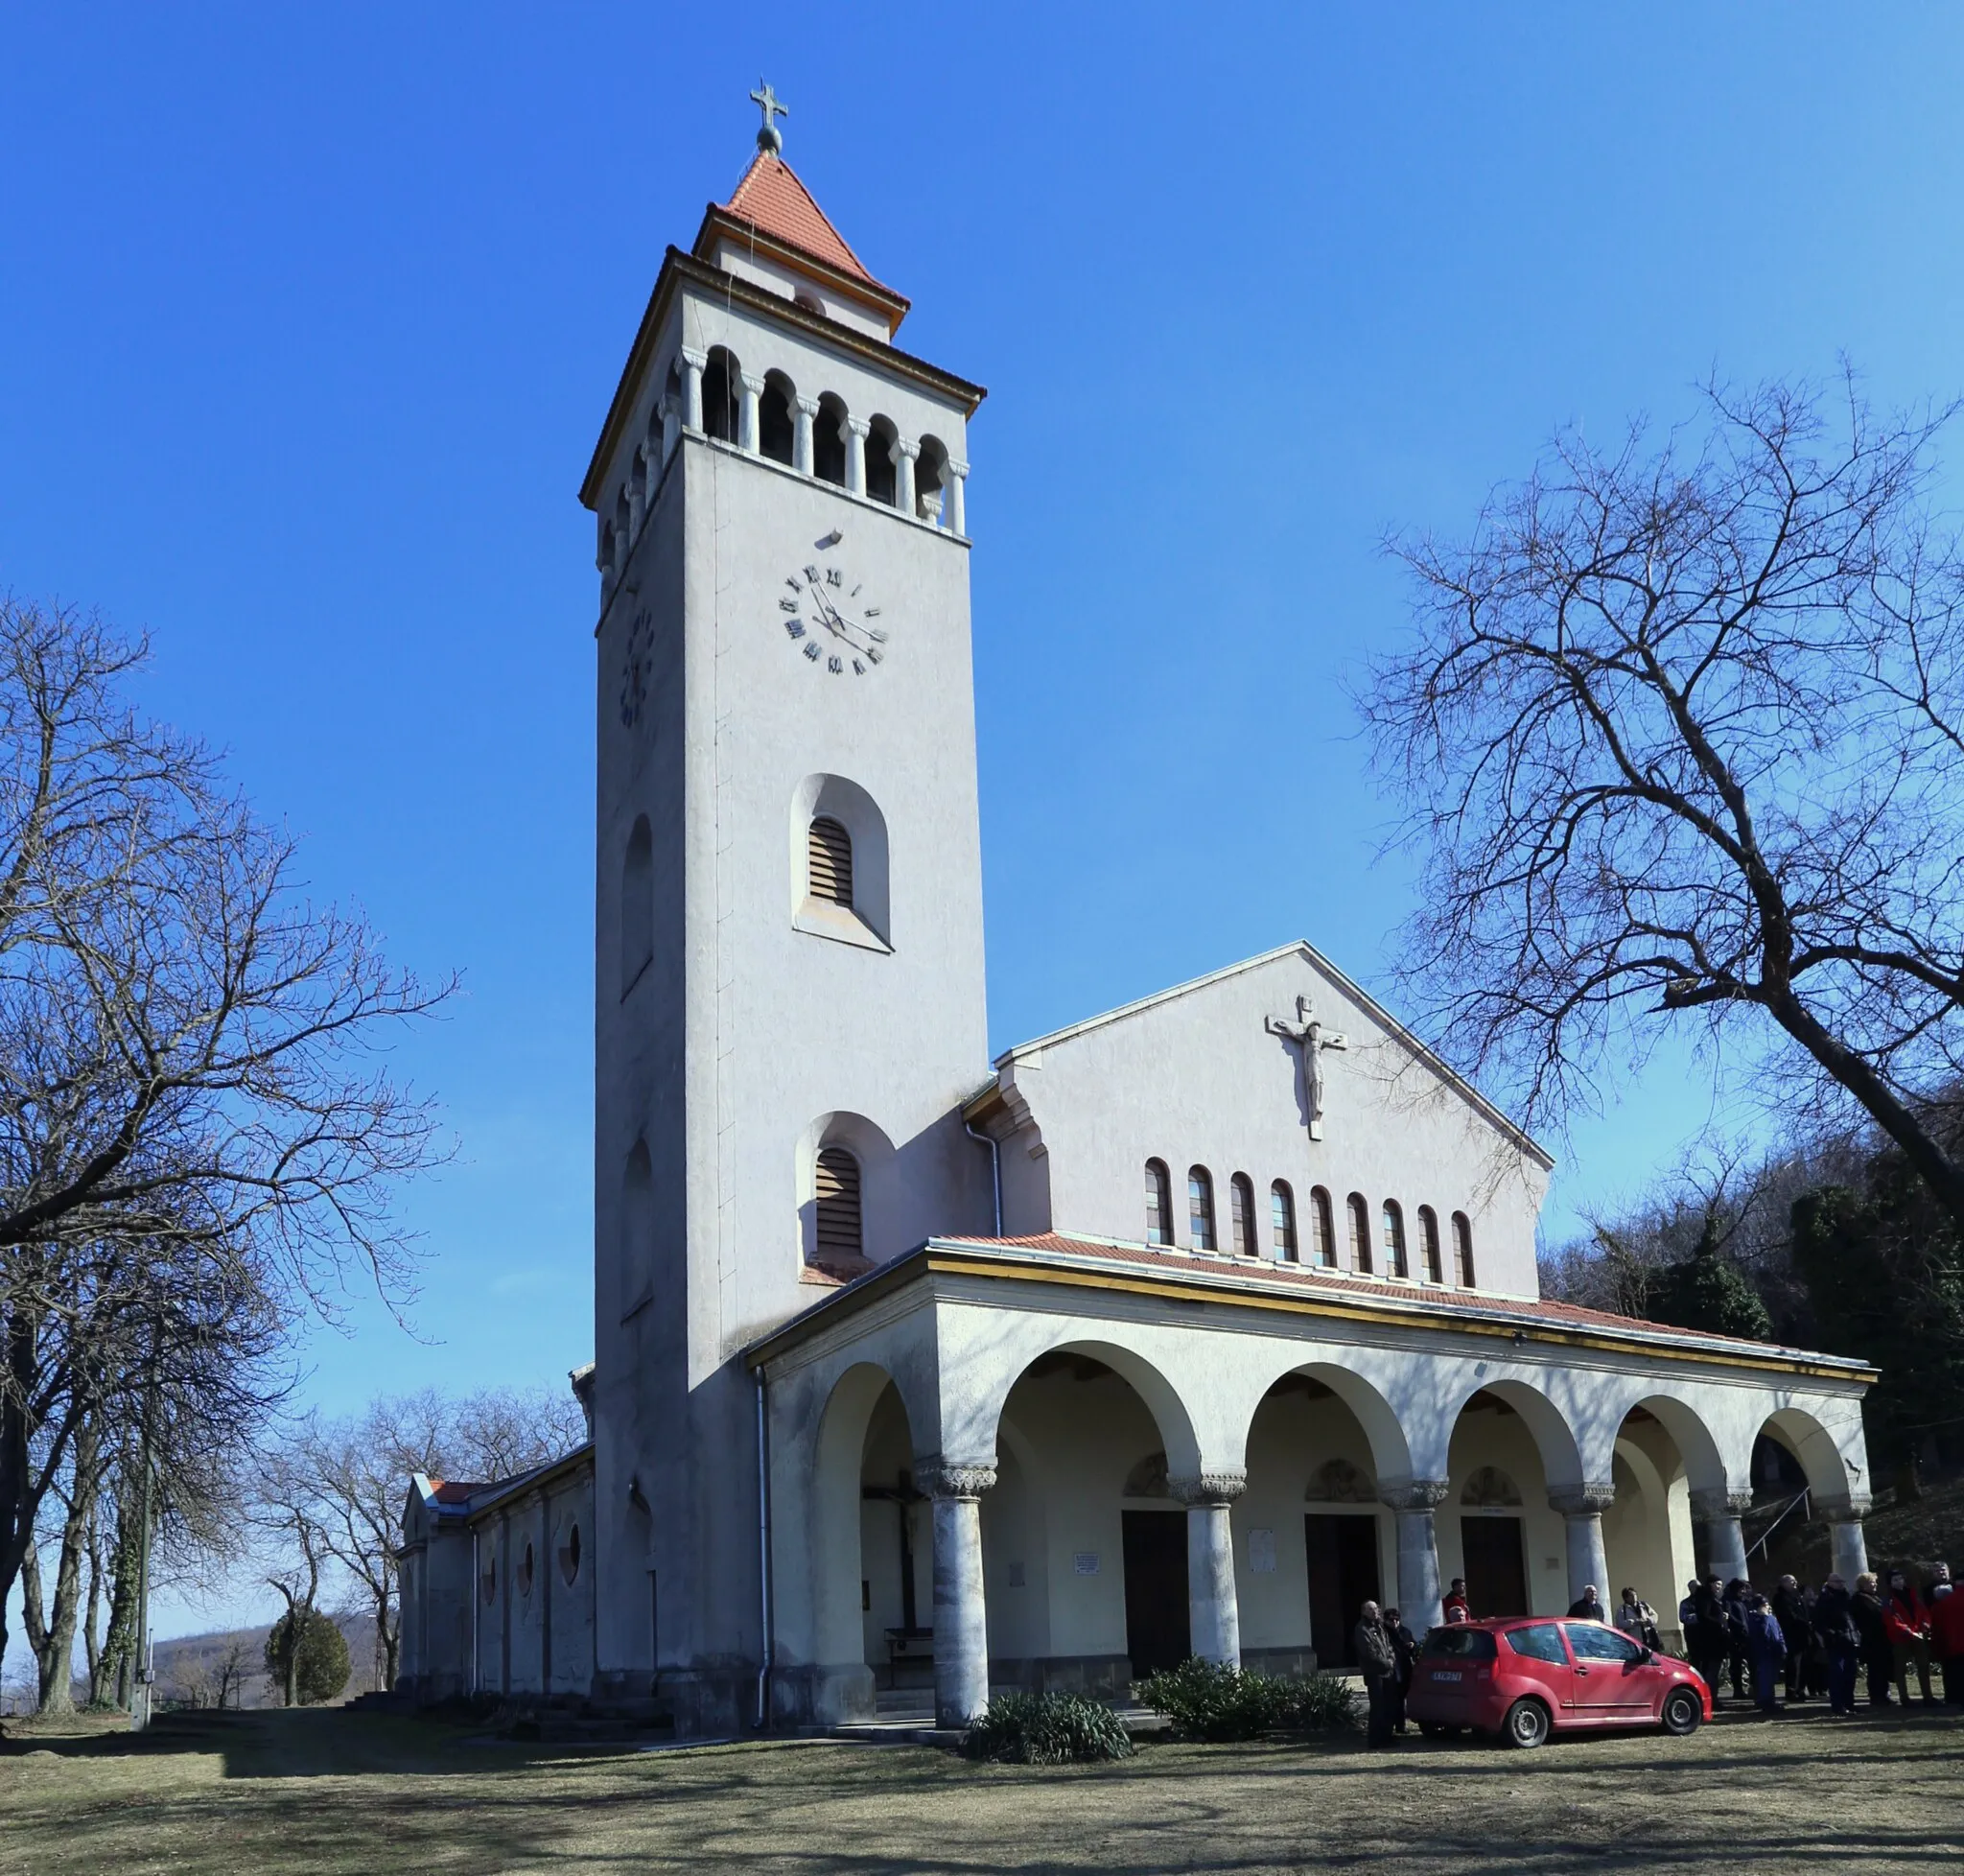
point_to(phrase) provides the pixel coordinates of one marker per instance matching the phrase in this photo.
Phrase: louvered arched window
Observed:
(1394, 1241)
(1158, 1202)
(1322, 1222)
(1199, 1207)
(1241, 1215)
(1360, 1234)
(836, 1189)
(1282, 1221)
(1463, 1251)
(1427, 1245)
(829, 860)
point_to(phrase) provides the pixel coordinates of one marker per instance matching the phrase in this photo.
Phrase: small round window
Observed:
(524, 1572)
(569, 1555)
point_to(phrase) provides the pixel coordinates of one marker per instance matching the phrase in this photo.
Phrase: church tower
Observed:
(788, 981)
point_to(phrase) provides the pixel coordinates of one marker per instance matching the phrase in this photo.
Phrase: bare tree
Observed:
(1683, 731)
(191, 1094)
(343, 1482)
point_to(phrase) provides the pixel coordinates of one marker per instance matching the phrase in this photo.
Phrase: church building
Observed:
(1182, 1330)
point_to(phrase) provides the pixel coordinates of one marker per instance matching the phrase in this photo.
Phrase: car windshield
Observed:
(1455, 1642)
(1542, 1642)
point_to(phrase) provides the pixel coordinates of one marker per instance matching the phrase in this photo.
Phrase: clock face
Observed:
(830, 617)
(634, 667)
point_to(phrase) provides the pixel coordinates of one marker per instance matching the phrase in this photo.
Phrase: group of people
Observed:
(1821, 1642)
(1815, 1641)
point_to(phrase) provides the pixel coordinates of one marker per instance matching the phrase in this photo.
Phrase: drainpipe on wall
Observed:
(994, 1169)
(473, 1608)
(763, 1555)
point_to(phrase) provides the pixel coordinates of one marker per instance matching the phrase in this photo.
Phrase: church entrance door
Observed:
(1157, 1631)
(1496, 1565)
(1343, 1577)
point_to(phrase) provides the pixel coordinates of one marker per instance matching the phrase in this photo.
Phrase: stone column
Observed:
(955, 483)
(961, 1614)
(1418, 1598)
(1213, 1608)
(800, 435)
(694, 364)
(1582, 1506)
(671, 426)
(1721, 1510)
(1847, 1547)
(857, 431)
(638, 494)
(746, 414)
(906, 454)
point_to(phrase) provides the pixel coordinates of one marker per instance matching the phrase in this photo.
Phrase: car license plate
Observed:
(1445, 1673)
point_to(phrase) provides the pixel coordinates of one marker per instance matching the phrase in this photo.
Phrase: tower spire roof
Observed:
(773, 200)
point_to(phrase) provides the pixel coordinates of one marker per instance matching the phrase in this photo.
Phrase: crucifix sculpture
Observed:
(1311, 1038)
(769, 139)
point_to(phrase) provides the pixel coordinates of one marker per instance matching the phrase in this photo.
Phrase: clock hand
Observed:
(836, 623)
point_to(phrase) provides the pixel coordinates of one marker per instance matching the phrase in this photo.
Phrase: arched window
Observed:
(883, 448)
(524, 1570)
(569, 1556)
(1394, 1241)
(487, 1583)
(836, 1189)
(809, 301)
(774, 419)
(829, 861)
(1360, 1234)
(1199, 1207)
(637, 1258)
(1241, 1215)
(604, 560)
(1463, 1251)
(637, 905)
(1322, 1228)
(1158, 1202)
(1428, 1244)
(1282, 1221)
(828, 440)
(931, 477)
(720, 393)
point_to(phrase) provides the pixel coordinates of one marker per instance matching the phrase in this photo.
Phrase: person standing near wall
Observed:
(1766, 1644)
(1377, 1660)
(1790, 1610)
(1834, 1627)
(1878, 1657)
(1907, 1624)
(1947, 1641)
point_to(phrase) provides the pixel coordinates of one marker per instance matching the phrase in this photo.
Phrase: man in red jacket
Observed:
(1907, 1624)
(1947, 1638)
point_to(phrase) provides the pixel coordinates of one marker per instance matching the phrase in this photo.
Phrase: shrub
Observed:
(1207, 1702)
(321, 1671)
(1047, 1730)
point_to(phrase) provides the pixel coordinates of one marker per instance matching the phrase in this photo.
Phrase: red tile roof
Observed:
(1302, 1277)
(773, 200)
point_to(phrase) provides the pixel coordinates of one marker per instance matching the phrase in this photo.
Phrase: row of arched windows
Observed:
(1250, 1234)
(766, 416)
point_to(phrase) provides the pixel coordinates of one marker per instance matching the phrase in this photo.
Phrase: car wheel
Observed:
(1526, 1726)
(1682, 1712)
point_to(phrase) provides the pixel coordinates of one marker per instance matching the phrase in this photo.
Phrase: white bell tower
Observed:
(788, 973)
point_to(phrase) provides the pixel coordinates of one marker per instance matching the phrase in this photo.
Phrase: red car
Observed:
(1521, 1677)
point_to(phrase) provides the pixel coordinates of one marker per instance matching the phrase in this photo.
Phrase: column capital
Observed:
(695, 360)
(1710, 1502)
(907, 447)
(941, 1478)
(1415, 1495)
(1841, 1507)
(808, 407)
(1208, 1488)
(752, 381)
(860, 427)
(1589, 1499)
(958, 469)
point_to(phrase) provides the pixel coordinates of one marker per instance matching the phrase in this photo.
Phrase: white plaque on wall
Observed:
(1085, 1562)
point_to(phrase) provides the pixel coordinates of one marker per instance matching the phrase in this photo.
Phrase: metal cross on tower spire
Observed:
(770, 140)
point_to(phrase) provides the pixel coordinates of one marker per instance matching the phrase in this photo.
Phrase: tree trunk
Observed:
(119, 1648)
(290, 1654)
(91, 1640)
(56, 1657)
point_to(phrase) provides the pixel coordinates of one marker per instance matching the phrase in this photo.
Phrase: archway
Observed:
(1497, 1528)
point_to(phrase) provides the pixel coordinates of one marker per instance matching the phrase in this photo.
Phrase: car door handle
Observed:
(1582, 1670)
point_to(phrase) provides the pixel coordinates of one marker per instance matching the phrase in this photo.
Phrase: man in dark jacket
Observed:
(1834, 1627)
(1878, 1657)
(1405, 1649)
(1377, 1660)
(1736, 1593)
(1587, 1607)
(1790, 1610)
(1709, 1638)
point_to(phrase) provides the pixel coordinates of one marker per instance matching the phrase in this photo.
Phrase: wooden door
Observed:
(1158, 1633)
(1496, 1565)
(1343, 1577)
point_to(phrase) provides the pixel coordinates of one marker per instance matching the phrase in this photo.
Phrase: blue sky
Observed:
(311, 318)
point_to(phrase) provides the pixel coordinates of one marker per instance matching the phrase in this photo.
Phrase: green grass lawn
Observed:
(263, 1793)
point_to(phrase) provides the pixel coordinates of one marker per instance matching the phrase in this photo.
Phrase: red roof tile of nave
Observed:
(1309, 1277)
(772, 198)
